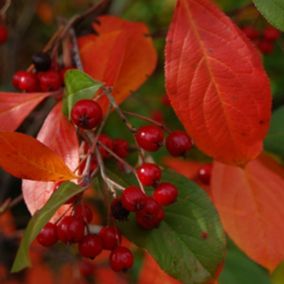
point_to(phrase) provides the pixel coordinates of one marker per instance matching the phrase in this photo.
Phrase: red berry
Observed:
(133, 198)
(49, 81)
(84, 212)
(266, 47)
(86, 268)
(149, 174)
(166, 193)
(271, 34)
(150, 137)
(151, 215)
(120, 147)
(118, 212)
(86, 114)
(250, 32)
(111, 237)
(121, 259)
(48, 235)
(107, 141)
(204, 174)
(90, 246)
(178, 143)
(3, 34)
(71, 229)
(25, 81)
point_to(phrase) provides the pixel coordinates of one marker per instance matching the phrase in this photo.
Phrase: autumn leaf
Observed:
(15, 107)
(216, 83)
(122, 56)
(24, 157)
(60, 136)
(250, 204)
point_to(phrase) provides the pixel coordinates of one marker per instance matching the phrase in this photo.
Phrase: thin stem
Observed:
(8, 204)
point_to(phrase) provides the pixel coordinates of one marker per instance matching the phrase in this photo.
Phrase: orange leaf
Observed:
(25, 157)
(15, 107)
(152, 273)
(122, 56)
(216, 83)
(250, 204)
(60, 136)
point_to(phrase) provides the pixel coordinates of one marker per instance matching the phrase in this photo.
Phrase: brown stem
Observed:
(8, 204)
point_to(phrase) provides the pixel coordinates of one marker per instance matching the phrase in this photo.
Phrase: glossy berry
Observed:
(86, 114)
(71, 229)
(107, 141)
(166, 193)
(48, 235)
(178, 143)
(133, 198)
(271, 34)
(111, 237)
(90, 246)
(25, 81)
(3, 34)
(151, 215)
(204, 174)
(118, 212)
(150, 137)
(250, 32)
(149, 174)
(120, 147)
(121, 259)
(266, 47)
(84, 211)
(41, 61)
(86, 268)
(49, 81)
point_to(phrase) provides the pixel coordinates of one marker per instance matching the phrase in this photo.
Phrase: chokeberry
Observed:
(178, 143)
(111, 237)
(151, 215)
(149, 174)
(49, 81)
(118, 212)
(3, 34)
(48, 235)
(25, 81)
(90, 246)
(86, 114)
(121, 259)
(84, 212)
(150, 137)
(133, 198)
(204, 174)
(120, 147)
(107, 141)
(165, 193)
(41, 61)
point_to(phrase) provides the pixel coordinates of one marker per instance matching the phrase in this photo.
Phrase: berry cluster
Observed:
(44, 79)
(264, 40)
(74, 229)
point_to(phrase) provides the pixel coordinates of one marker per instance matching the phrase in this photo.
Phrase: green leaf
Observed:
(39, 219)
(179, 245)
(239, 268)
(273, 11)
(79, 86)
(277, 276)
(274, 141)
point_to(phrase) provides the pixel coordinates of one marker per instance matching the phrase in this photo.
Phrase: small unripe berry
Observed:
(121, 259)
(120, 147)
(178, 143)
(111, 237)
(150, 138)
(133, 198)
(149, 174)
(165, 193)
(86, 114)
(48, 235)
(90, 246)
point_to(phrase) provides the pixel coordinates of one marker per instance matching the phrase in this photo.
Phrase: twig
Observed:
(8, 204)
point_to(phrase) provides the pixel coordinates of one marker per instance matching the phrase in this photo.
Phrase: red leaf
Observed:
(59, 135)
(250, 203)
(15, 107)
(216, 83)
(122, 56)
